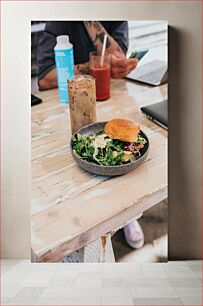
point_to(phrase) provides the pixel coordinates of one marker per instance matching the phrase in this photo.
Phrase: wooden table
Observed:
(72, 208)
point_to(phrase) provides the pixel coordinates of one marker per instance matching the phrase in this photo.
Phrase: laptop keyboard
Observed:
(154, 76)
(150, 73)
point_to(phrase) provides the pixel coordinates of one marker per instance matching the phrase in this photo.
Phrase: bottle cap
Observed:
(62, 39)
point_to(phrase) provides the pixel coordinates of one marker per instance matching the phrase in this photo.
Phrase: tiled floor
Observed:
(173, 283)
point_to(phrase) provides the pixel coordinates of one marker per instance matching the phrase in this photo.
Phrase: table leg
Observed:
(98, 251)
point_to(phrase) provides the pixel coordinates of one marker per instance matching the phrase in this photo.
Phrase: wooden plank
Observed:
(50, 121)
(50, 144)
(49, 98)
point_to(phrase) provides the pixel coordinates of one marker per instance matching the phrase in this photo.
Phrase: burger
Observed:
(122, 129)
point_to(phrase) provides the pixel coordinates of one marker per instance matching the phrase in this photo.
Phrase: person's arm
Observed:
(46, 61)
(50, 79)
(96, 32)
(82, 68)
(120, 66)
(117, 44)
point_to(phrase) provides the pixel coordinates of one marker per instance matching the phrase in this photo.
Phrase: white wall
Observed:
(185, 112)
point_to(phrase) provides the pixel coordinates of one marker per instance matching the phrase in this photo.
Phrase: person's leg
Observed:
(134, 234)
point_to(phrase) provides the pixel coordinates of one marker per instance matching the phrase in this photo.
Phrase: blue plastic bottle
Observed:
(64, 65)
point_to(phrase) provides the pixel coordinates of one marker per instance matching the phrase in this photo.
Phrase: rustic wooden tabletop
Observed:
(72, 208)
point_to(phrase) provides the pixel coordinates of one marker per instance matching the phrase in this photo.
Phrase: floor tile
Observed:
(4, 301)
(15, 275)
(117, 301)
(116, 292)
(69, 301)
(189, 291)
(46, 267)
(92, 267)
(11, 261)
(90, 274)
(121, 266)
(22, 301)
(174, 263)
(177, 268)
(73, 292)
(155, 274)
(135, 282)
(112, 282)
(61, 282)
(36, 281)
(89, 279)
(122, 274)
(192, 301)
(158, 301)
(39, 276)
(181, 274)
(70, 267)
(198, 274)
(196, 268)
(29, 292)
(122, 270)
(193, 262)
(6, 268)
(147, 282)
(9, 292)
(185, 282)
(66, 273)
(152, 267)
(153, 292)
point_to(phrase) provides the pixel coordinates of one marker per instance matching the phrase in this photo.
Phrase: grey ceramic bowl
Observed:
(107, 170)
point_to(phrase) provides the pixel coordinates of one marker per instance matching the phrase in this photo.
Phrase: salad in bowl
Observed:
(115, 146)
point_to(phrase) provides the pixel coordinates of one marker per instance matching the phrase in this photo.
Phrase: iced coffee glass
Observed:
(82, 101)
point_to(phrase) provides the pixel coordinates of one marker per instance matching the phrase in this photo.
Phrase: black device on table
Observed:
(35, 100)
(158, 113)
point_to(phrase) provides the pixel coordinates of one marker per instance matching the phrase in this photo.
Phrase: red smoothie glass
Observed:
(100, 70)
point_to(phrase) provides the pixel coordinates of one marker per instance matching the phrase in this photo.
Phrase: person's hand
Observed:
(120, 66)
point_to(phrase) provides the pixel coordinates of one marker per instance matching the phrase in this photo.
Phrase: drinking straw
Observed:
(103, 50)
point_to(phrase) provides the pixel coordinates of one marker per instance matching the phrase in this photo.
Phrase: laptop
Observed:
(153, 73)
(157, 112)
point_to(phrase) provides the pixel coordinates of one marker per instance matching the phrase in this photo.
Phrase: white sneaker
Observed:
(134, 235)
